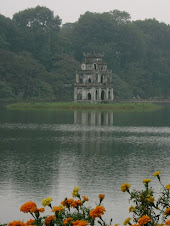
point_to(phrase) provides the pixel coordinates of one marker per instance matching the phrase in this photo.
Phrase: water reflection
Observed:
(94, 118)
(50, 154)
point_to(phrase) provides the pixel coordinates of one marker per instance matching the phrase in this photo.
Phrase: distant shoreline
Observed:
(121, 106)
(146, 101)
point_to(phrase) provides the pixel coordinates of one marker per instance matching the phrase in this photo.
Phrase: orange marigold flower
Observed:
(75, 203)
(26, 207)
(167, 211)
(97, 212)
(16, 223)
(68, 202)
(79, 202)
(63, 203)
(66, 221)
(31, 221)
(57, 208)
(41, 209)
(101, 196)
(35, 209)
(167, 222)
(85, 198)
(124, 187)
(80, 223)
(144, 220)
(49, 219)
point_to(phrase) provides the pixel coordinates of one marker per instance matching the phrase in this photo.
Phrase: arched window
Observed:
(96, 94)
(89, 80)
(95, 66)
(102, 95)
(89, 96)
(109, 95)
(79, 96)
(101, 79)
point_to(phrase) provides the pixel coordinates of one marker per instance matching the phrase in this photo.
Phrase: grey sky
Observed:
(70, 10)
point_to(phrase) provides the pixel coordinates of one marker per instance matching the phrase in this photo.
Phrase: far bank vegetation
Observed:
(39, 55)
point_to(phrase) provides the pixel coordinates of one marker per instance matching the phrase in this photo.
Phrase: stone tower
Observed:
(93, 81)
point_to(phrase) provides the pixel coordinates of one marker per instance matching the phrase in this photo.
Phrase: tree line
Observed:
(39, 55)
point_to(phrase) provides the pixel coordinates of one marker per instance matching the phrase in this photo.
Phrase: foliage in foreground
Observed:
(149, 208)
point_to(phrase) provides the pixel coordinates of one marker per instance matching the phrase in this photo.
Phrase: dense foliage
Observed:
(39, 55)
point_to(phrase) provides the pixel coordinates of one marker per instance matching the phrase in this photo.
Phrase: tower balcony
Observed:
(90, 85)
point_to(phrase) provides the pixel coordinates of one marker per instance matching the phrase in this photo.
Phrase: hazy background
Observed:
(70, 10)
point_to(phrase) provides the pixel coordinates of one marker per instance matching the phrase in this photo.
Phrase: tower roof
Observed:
(93, 55)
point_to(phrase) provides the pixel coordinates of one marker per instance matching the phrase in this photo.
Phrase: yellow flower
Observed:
(147, 180)
(47, 201)
(149, 191)
(75, 192)
(151, 199)
(132, 209)
(144, 220)
(156, 173)
(116, 224)
(168, 186)
(124, 187)
(127, 221)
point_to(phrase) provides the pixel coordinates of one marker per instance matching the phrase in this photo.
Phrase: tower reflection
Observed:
(93, 118)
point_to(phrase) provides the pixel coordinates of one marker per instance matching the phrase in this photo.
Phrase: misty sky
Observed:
(70, 10)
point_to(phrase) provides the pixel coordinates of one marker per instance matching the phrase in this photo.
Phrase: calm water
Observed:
(47, 153)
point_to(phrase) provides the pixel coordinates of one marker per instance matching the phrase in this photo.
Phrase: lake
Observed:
(47, 153)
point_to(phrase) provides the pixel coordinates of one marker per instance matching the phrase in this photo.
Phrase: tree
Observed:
(120, 17)
(9, 34)
(6, 92)
(39, 30)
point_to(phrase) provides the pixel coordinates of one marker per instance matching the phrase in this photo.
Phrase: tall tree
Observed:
(39, 30)
(9, 34)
